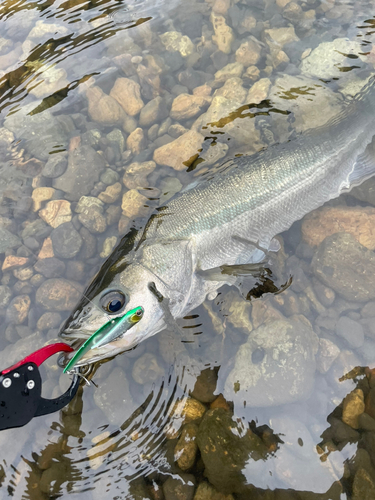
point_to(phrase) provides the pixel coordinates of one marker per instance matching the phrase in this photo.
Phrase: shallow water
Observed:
(267, 411)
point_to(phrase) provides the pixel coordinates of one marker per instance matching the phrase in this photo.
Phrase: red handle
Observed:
(38, 357)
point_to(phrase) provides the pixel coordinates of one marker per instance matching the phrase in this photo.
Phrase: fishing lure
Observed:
(109, 332)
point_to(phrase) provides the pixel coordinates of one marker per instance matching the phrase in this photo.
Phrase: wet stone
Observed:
(89, 244)
(346, 266)
(179, 153)
(225, 448)
(13, 261)
(285, 371)
(18, 309)
(41, 194)
(186, 448)
(108, 246)
(206, 491)
(58, 295)
(351, 331)
(205, 386)
(187, 106)
(93, 220)
(147, 369)
(127, 93)
(103, 108)
(49, 320)
(8, 240)
(23, 274)
(111, 194)
(154, 111)
(174, 41)
(56, 213)
(363, 486)
(353, 407)
(135, 175)
(5, 295)
(134, 204)
(84, 168)
(55, 166)
(179, 489)
(328, 352)
(66, 241)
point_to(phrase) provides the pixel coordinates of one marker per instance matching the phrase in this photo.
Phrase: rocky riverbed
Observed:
(267, 398)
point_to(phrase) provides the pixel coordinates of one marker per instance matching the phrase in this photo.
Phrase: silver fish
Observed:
(188, 247)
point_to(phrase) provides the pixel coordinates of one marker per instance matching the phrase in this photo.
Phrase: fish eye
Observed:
(112, 302)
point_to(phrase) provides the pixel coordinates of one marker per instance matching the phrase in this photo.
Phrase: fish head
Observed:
(133, 287)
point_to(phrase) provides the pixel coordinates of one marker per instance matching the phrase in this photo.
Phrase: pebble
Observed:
(223, 37)
(128, 94)
(232, 89)
(179, 153)
(248, 53)
(108, 245)
(231, 70)
(41, 194)
(174, 41)
(12, 262)
(47, 249)
(363, 486)
(66, 241)
(351, 331)
(5, 295)
(136, 141)
(56, 212)
(50, 267)
(237, 312)
(134, 204)
(205, 386)
(154, 111)
(135, 175)
(103, 108)
(84, 168)
(55, 165)
(146, 369)
(328, 352)
(23, 274)
(9, 240)
(346, 266)
(353, 407)
(75, 270)
(93, 220)
(18, 309)
(179, 489)
(358, 221)
(187, 106)
(49, 320)
(206, 491)
(111, 194)
(186, 448)
(109, 177)
(58, 294)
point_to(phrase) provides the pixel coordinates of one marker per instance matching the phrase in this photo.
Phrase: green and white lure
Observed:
(109, 332)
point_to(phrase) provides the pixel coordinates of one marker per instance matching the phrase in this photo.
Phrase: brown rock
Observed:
(353, 407)
(221, 6)
(363, 486)
(103, 108)
(49, 320)
(12, 261)
(18, 309)
(181, 152)
(187, 106)
(128, 94)
(189, 409)
(220, 402)
(123, 224)
(56, 212)
(232, 89)
(263, 312)
(134, 204)
(136, 141)
(93, 220)
(135, 175)
(206, 491)
(259, 91)
(23, 274)
(205, 386)
(186, 449)
(41, 194)
(248, 53)
(47, 249)
(358, 221)
(223, 33)
(203, 90)
(111, 194)
(57, 294)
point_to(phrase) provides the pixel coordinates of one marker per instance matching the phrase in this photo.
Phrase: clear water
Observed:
(117, 439)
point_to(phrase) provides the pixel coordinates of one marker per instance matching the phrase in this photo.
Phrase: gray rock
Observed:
(8, 240)
(18, 309)
(113, 397)
(84, 168)
(116, 137)
(146, 369)
(351, 331)
(365, 192)
(275, 366)
(55, 166)
(49, 320)
(42, 133)
(109, 177)
(50, 267)
(328, 59)
(58, 295)
(37, 229)
(346, 266)
(225, 448)
(5, 295)
(66, 241)
(154, 111)
(179, 489)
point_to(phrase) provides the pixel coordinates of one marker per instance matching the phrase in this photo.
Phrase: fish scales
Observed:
(229, 219)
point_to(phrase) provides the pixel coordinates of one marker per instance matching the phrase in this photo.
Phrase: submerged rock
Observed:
(226, 446)
(58, 295)
(84, 168)
(275, 366)
(358, 221)
(346, 266)
(181, 152)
